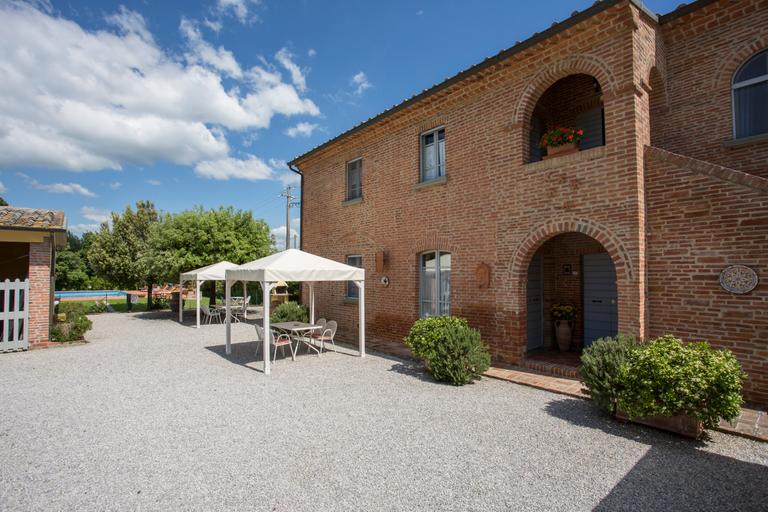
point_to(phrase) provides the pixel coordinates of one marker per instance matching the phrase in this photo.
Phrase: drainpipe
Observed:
(301, 207)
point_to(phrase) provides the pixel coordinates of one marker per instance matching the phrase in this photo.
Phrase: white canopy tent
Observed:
(213, 272)
(294, 265)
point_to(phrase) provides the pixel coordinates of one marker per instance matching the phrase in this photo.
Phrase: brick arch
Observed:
(729, 65)
(517, 267)
(355, 236)
(573, 65)
(434, 241)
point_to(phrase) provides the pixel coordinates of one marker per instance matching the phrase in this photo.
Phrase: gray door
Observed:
(600, 298)
(535, 304)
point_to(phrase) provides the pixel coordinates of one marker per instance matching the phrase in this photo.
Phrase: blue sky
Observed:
(187, 103)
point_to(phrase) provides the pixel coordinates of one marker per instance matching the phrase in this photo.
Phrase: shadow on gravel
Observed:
(412, 370)
(675, 474)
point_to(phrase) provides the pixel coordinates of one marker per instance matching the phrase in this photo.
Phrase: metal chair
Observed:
(280, 341)
(328, 333)
(210, 314)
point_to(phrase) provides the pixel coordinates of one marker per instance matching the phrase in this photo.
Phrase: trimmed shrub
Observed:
(290, 312)
(453, 351)
(667, 377)
(600, 365)
(98, 307)
(160, 303)
(426, 334)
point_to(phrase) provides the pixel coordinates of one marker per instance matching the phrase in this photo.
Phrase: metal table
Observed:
(298, 328)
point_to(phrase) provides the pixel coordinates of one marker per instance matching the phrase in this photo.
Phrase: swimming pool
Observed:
(83, 294)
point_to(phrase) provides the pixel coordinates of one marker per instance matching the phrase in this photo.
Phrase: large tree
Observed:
(71, 268)
(198, 237)
(3, 202)
(118, 253)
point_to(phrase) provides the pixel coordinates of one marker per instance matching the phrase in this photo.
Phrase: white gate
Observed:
(14, 315)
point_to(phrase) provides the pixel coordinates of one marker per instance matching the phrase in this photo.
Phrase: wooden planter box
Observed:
(681, 424)
(565, 149)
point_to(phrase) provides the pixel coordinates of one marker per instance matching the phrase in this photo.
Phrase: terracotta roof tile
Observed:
(32, 218)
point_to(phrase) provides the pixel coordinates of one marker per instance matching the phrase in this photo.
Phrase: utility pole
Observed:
(288, 203)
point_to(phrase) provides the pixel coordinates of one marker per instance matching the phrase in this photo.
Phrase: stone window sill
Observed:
(350, 300)
(582, 156)
(745, 141)
(442, 180)
(349, 202)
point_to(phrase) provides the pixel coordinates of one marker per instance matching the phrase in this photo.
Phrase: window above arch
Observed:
(750, 97)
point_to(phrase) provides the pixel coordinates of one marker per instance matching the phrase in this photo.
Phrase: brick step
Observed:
(554, 369)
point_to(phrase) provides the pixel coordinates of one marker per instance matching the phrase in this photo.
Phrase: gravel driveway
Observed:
(151, 416)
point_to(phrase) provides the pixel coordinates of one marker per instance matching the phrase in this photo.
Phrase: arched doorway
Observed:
(570, 269)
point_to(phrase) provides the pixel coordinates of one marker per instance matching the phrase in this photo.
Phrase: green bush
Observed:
(76, 325)
(98, 307)
(666, 377)
(290, 312)
(453, 351)
(160, 303)
(426, 334)
(600, 365)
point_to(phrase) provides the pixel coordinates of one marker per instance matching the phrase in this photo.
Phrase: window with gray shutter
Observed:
(592, 123)
(536, 134)
(355, 179)
(750, 97)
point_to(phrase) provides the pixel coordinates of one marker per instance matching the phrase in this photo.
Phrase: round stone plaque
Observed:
(738, 279)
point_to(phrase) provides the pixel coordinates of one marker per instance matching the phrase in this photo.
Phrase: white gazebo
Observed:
(293, 265)
(213, 272)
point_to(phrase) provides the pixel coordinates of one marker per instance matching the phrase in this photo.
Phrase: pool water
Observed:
(90, 293)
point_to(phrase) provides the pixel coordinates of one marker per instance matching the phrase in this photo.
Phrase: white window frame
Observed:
(346, 179)
(436, 132)
(353, 292)
(437, 291)
(739, 85)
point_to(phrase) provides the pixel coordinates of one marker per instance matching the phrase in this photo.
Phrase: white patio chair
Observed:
(239, 310)
(328, 334)
(280, 341)
(210, 314)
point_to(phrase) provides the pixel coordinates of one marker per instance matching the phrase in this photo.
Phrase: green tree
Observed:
(198, 237)
(119, 254)
(3, 202)
(71, 269)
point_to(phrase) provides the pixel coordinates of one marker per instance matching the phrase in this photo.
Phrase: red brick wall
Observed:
(39, 291)
(699, 224)
(493, 209)
(704, 50)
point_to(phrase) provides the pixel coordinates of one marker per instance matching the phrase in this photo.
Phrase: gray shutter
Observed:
(591, 122)
(535, 139)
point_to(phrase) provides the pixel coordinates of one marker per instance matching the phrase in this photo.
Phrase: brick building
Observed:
(450, 198)
(28, 242)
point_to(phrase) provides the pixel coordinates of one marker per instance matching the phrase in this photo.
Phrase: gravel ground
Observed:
(151, 416)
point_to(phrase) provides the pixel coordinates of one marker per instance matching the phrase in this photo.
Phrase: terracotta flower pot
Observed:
(681, 424)
(565, 149)
(564, 334)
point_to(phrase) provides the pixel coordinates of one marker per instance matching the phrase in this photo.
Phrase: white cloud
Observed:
(304, 129)
(214, 25)
(202, 52)
(2, 188)
(279, 234)
(79, 229)
(360, 83)
(419, 12)
(115, 185)
(80, 100)
(238, 8)
(251, 169)
(311, 52)
(62, 188)
(154, 183)
(95, 214)
(285, 58)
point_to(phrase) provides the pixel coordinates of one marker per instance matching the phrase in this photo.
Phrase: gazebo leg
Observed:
(361, 313)
(266, 290)
(228, 319)
(197, 298)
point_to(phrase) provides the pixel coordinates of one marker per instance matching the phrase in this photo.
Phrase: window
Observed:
(593, 124)
(435, 283)
(433, 154)
(355, 179)
(352, 291)
(750, 97)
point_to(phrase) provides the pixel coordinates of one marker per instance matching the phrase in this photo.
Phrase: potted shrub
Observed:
(452, 351)
(683, 387)
(559, 141)
(564, 316)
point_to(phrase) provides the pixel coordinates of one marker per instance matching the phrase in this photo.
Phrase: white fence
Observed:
(14, 315)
